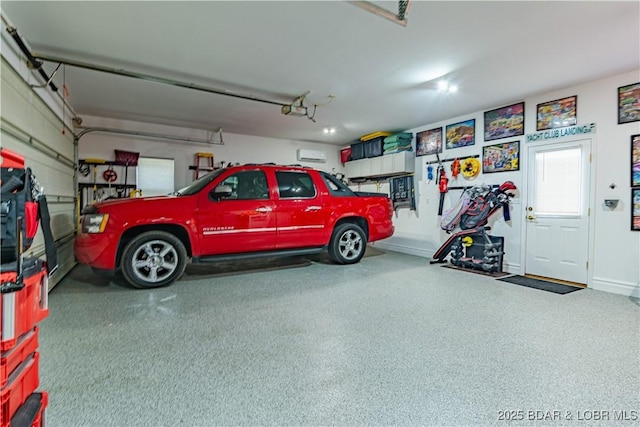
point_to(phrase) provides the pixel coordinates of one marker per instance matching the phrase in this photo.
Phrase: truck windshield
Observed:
(198, 184)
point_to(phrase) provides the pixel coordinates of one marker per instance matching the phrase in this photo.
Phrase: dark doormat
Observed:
(543, 285)
(470, 270)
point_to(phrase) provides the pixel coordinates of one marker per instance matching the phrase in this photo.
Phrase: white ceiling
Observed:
(383, 75)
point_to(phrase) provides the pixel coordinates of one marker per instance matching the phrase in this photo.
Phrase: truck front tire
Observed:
(348, 244)
(153, 259)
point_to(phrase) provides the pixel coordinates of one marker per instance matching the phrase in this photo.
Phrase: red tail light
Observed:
(390, 205)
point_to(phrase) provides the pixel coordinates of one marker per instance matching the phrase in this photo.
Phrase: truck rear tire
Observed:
(348, 244)
(153, 259)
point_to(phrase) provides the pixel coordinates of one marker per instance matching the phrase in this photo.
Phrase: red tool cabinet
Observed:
(23, 303)
(23, 309)
(20, 311)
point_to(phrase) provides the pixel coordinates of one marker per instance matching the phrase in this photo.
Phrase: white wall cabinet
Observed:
(389, 165)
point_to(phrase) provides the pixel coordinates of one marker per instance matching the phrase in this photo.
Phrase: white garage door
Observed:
(29, 128)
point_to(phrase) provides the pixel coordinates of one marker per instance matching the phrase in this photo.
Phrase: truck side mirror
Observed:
(221, 192)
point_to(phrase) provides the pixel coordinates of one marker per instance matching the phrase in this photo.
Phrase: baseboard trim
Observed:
(405, 249)
(616, 286)
(511, 268)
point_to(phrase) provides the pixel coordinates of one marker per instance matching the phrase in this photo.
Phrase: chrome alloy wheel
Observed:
(350, 245)
(154, 261)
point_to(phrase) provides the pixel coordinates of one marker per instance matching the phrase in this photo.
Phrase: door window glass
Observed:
(248, 185)
(558, 189)
(335, 186)
(295, 185)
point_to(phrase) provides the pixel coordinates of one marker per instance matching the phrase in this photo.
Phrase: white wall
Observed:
(614, 251)
(237, 148)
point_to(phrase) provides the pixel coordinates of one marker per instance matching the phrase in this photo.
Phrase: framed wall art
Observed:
(429, 142)
(635, 209)
(635, 160)
(629, 103)
(504, 122)
(461, 134)
(558, 113)
(503, 157)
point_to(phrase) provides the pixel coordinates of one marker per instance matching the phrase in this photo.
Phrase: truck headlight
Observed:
(94, 223)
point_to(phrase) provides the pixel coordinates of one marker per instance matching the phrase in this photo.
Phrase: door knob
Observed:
(531, 217)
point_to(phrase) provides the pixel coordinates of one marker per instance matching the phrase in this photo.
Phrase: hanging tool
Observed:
(470, 168)
(126, 159)
(429, 173)
(455, 168)
(110, 176)
(95, 163)
(95, 185)
(84, 169)
(443, 184)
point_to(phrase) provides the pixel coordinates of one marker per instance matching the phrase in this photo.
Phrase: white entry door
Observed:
(557, 211)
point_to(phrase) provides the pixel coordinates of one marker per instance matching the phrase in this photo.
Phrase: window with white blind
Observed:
(155, 176)
(558, 190)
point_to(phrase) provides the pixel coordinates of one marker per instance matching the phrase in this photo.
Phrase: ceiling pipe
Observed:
(150, 78)
(87, 130)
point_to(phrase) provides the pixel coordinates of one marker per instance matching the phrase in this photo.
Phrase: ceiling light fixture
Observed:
(329, 130)
(444, 86)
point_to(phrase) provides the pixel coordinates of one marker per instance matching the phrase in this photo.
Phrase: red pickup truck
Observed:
(232, 213)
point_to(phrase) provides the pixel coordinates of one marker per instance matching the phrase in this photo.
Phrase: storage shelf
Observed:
(86, 191)
(381, 167)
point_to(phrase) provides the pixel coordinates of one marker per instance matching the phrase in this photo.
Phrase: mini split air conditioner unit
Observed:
(305, 155)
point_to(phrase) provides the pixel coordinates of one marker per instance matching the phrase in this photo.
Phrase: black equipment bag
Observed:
(21, 197)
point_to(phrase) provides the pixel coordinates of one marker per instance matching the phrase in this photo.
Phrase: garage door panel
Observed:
(66, 261)
(15, 109)
(24, 110)
(61, 218)
(29, 128)
(56, 178)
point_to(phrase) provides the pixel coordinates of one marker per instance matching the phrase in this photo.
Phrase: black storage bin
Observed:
(373, 147)
(357, 151)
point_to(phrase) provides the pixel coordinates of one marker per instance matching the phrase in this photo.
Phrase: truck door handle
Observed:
(264, 209)
(312, 208)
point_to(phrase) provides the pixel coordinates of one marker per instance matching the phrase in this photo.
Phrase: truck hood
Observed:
(124, 213)
(131, 203)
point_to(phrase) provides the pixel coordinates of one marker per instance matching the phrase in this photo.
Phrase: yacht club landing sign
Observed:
(562, 132)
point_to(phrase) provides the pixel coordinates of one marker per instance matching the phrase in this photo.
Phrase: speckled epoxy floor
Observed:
(390, 341)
